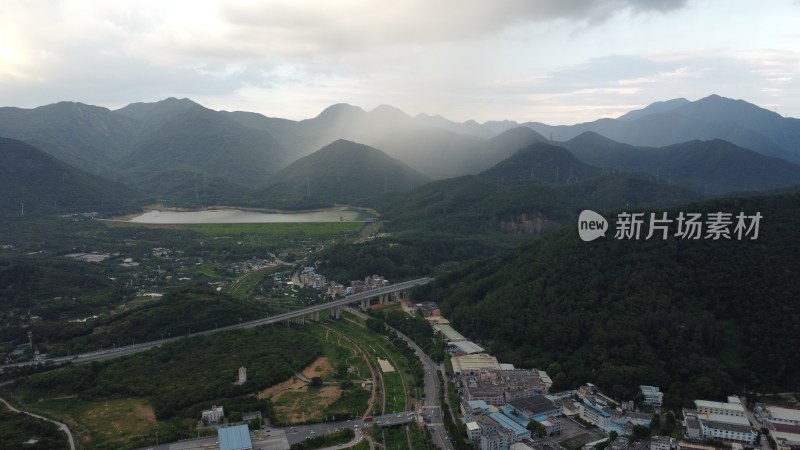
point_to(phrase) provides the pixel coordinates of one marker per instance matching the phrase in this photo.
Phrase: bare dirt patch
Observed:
(295, 402)
(319, 368)
(274, 392)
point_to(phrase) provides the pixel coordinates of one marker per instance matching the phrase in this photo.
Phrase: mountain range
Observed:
(180, 152)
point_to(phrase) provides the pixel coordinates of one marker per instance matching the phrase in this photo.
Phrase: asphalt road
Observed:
(117, 352)
(431, 407)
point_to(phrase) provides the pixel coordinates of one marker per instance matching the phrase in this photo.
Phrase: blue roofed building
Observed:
(234, 438)
(508, 411)
(519, 431)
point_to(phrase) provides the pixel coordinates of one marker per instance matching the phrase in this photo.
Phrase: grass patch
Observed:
(284, 229)
(378, 346)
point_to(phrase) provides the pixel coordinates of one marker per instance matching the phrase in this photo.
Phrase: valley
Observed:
(136, 284)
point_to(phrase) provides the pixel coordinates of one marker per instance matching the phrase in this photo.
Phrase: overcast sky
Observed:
(554, 61)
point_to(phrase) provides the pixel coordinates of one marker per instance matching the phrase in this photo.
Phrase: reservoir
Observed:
(241, 216)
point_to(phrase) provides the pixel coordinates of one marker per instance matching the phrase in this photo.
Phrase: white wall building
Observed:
(660, 443)
(652, 395)
(723, 409)
(213, 415)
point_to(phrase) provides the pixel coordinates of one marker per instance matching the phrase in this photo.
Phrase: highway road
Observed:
(117, 352)
(283, 438)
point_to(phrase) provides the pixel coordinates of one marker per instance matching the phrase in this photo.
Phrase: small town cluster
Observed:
(508, 408)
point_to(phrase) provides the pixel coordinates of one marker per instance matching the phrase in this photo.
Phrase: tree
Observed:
(640, 432)
(316, 381)
(537, 428)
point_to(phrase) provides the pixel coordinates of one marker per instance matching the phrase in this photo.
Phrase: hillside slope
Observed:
(699, 318)
(46, 185)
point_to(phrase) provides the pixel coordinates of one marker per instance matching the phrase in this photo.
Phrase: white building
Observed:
(213, 415)
(473, 431)
(660, 443)
(720, 408)
(652, 395)
(594, 415)
(733, 432)
(777, 414)
(501, 439)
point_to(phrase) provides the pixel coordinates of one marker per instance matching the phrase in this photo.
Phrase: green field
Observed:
(378, 346)
(278, 229)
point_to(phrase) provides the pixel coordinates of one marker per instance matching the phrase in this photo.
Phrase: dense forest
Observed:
(699, 318)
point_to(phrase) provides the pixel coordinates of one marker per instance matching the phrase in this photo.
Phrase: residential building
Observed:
(473, 431)
(660, 443)
(213, 415)
(501, 439)
(520, 446)
(486, 424)
(720, 408)
(594, 415)
(782, 432)
(779, 414)
(727, 431)
(652, 395)
(551, 425)
(691, 425)
(620, 443)
(477, 407)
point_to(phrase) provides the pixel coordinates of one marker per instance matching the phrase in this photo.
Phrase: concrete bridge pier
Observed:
(384, 299)
(315, 316)
(337, 312)
(364, 304)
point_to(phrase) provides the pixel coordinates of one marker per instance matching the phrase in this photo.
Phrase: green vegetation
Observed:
(16, 429)
(325, 440)
(35, 183)
(409, 437)
(343, 172)
(179, 380)
(696, 317)
(398, 384)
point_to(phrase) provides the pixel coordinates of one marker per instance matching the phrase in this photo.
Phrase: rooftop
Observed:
(449, 332)
(781, 413)
(234, 438)
(538, 404)
(509, 424)
(469, 363)
(472, 426)
(722, 418)
(720, 405)
(468, 347)
(728, 426)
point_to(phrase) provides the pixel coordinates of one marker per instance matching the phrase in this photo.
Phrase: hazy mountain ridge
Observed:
(192, 144)
(341, 172)
(712, 117)
(713, 167)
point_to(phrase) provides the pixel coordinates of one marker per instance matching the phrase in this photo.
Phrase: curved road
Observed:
(60, 425)
(432, 387)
